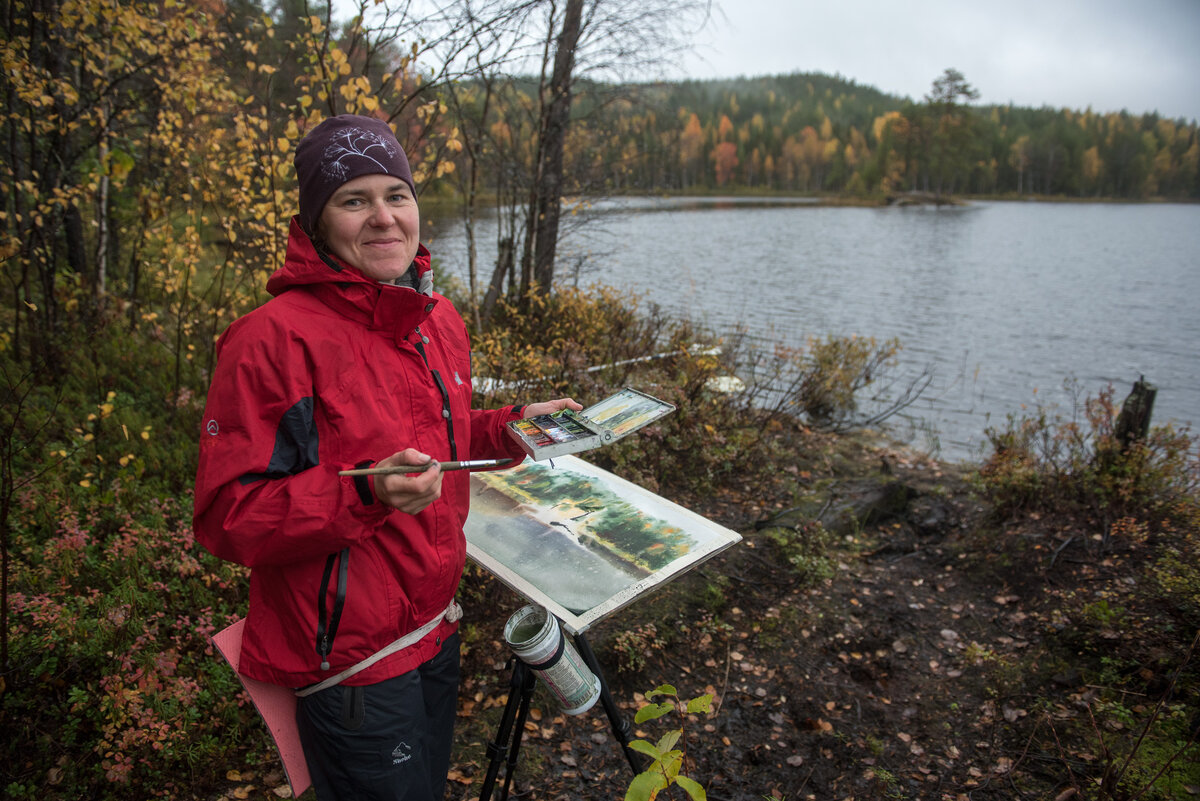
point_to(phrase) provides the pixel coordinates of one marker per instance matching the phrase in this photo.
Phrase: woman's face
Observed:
(372, 223)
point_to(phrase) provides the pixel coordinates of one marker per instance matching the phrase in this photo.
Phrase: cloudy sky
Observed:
(1138, 55)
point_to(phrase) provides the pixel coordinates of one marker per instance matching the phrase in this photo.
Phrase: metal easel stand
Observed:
(516, 710)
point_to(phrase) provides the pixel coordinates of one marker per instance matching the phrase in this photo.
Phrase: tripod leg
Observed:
(517, 696)
(528, 682)
(620, 726)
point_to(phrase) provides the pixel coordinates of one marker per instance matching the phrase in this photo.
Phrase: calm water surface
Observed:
(1003, 302)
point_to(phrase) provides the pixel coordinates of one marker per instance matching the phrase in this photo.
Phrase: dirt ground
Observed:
(917, 649)
(895, 677)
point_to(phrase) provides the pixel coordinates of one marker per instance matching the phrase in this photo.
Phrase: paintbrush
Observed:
(471, 464)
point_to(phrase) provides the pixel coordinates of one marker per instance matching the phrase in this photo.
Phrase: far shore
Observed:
(440, 206)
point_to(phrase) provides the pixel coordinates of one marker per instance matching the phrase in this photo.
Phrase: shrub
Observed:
(1046, 462)
(833, 370)
(822, 381)
(552, 342)
(590, 343)
(115, 689)
(1175, 572)
(111, 687)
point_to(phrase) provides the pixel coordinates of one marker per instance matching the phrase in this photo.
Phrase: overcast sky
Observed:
(1138, 55)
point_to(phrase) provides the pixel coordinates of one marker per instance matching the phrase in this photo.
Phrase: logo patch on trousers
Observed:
(401, 754)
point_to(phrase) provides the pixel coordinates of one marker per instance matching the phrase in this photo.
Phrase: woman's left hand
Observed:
(549, 407)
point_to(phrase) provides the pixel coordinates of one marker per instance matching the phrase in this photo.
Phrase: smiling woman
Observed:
(354, 362)
(372, 223)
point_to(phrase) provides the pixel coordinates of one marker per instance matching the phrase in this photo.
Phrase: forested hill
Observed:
(811, 132)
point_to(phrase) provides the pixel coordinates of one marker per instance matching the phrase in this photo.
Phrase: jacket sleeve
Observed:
(263, 496)
(489, 437)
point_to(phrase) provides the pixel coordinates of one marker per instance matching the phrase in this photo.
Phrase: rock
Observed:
(872, 505)
(932, 516)
(1068, 678)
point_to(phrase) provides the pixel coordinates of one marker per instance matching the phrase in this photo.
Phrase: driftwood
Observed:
(1133, 422)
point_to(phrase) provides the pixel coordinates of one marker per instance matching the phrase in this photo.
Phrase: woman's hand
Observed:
(408, 492)
(549, 407)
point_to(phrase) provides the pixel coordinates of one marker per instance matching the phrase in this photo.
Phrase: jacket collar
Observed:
(398, 310)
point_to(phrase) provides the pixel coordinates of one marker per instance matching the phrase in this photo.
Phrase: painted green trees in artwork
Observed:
(597, 514)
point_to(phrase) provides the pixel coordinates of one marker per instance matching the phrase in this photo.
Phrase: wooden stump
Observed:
(1133, 423)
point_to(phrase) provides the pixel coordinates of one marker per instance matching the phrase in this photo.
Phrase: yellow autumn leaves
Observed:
(103, 411)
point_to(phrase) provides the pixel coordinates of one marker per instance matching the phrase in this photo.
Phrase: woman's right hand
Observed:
(408, 492)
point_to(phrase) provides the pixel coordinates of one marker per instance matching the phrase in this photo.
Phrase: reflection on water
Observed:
(1004, 301)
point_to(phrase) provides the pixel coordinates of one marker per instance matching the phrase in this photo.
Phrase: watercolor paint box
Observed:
(550, 435)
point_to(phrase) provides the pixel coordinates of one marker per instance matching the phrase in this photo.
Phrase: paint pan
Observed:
(563, 432)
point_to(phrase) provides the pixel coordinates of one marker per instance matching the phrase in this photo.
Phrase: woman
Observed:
(355, 362)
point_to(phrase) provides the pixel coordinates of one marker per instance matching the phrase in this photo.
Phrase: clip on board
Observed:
(548, 435)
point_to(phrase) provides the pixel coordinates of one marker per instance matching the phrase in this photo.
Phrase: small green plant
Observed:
(632, 645)
(667, 755)
(1104, 613)
(808, 548)
(887, 782)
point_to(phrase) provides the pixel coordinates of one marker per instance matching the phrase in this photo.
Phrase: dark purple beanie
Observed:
(342, 148)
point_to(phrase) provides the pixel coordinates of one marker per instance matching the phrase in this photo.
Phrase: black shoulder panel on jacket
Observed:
(295, 444)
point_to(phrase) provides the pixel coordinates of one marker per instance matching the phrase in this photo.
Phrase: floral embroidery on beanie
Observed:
(356, 142)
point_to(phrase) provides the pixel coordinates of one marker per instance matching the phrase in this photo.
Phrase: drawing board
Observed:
(581, 541)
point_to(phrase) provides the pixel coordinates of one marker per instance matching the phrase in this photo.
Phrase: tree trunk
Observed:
(504, 267)
(548, 199)
(76, 251)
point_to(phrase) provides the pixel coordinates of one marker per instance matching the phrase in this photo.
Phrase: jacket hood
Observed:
(398, 309)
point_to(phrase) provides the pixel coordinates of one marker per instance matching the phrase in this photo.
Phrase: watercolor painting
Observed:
(580, 540)
(626, 411)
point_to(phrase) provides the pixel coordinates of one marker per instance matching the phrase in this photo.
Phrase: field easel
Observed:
(553, 503)
(516, 711)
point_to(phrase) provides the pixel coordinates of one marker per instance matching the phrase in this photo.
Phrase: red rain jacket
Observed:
(335, 371)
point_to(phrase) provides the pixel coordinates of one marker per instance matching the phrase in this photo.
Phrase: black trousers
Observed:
(384, 742)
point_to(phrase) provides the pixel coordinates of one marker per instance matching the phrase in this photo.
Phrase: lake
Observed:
(1002, 301)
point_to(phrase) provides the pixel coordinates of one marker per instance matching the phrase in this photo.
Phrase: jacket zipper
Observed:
(327, 625)
(441, 385)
